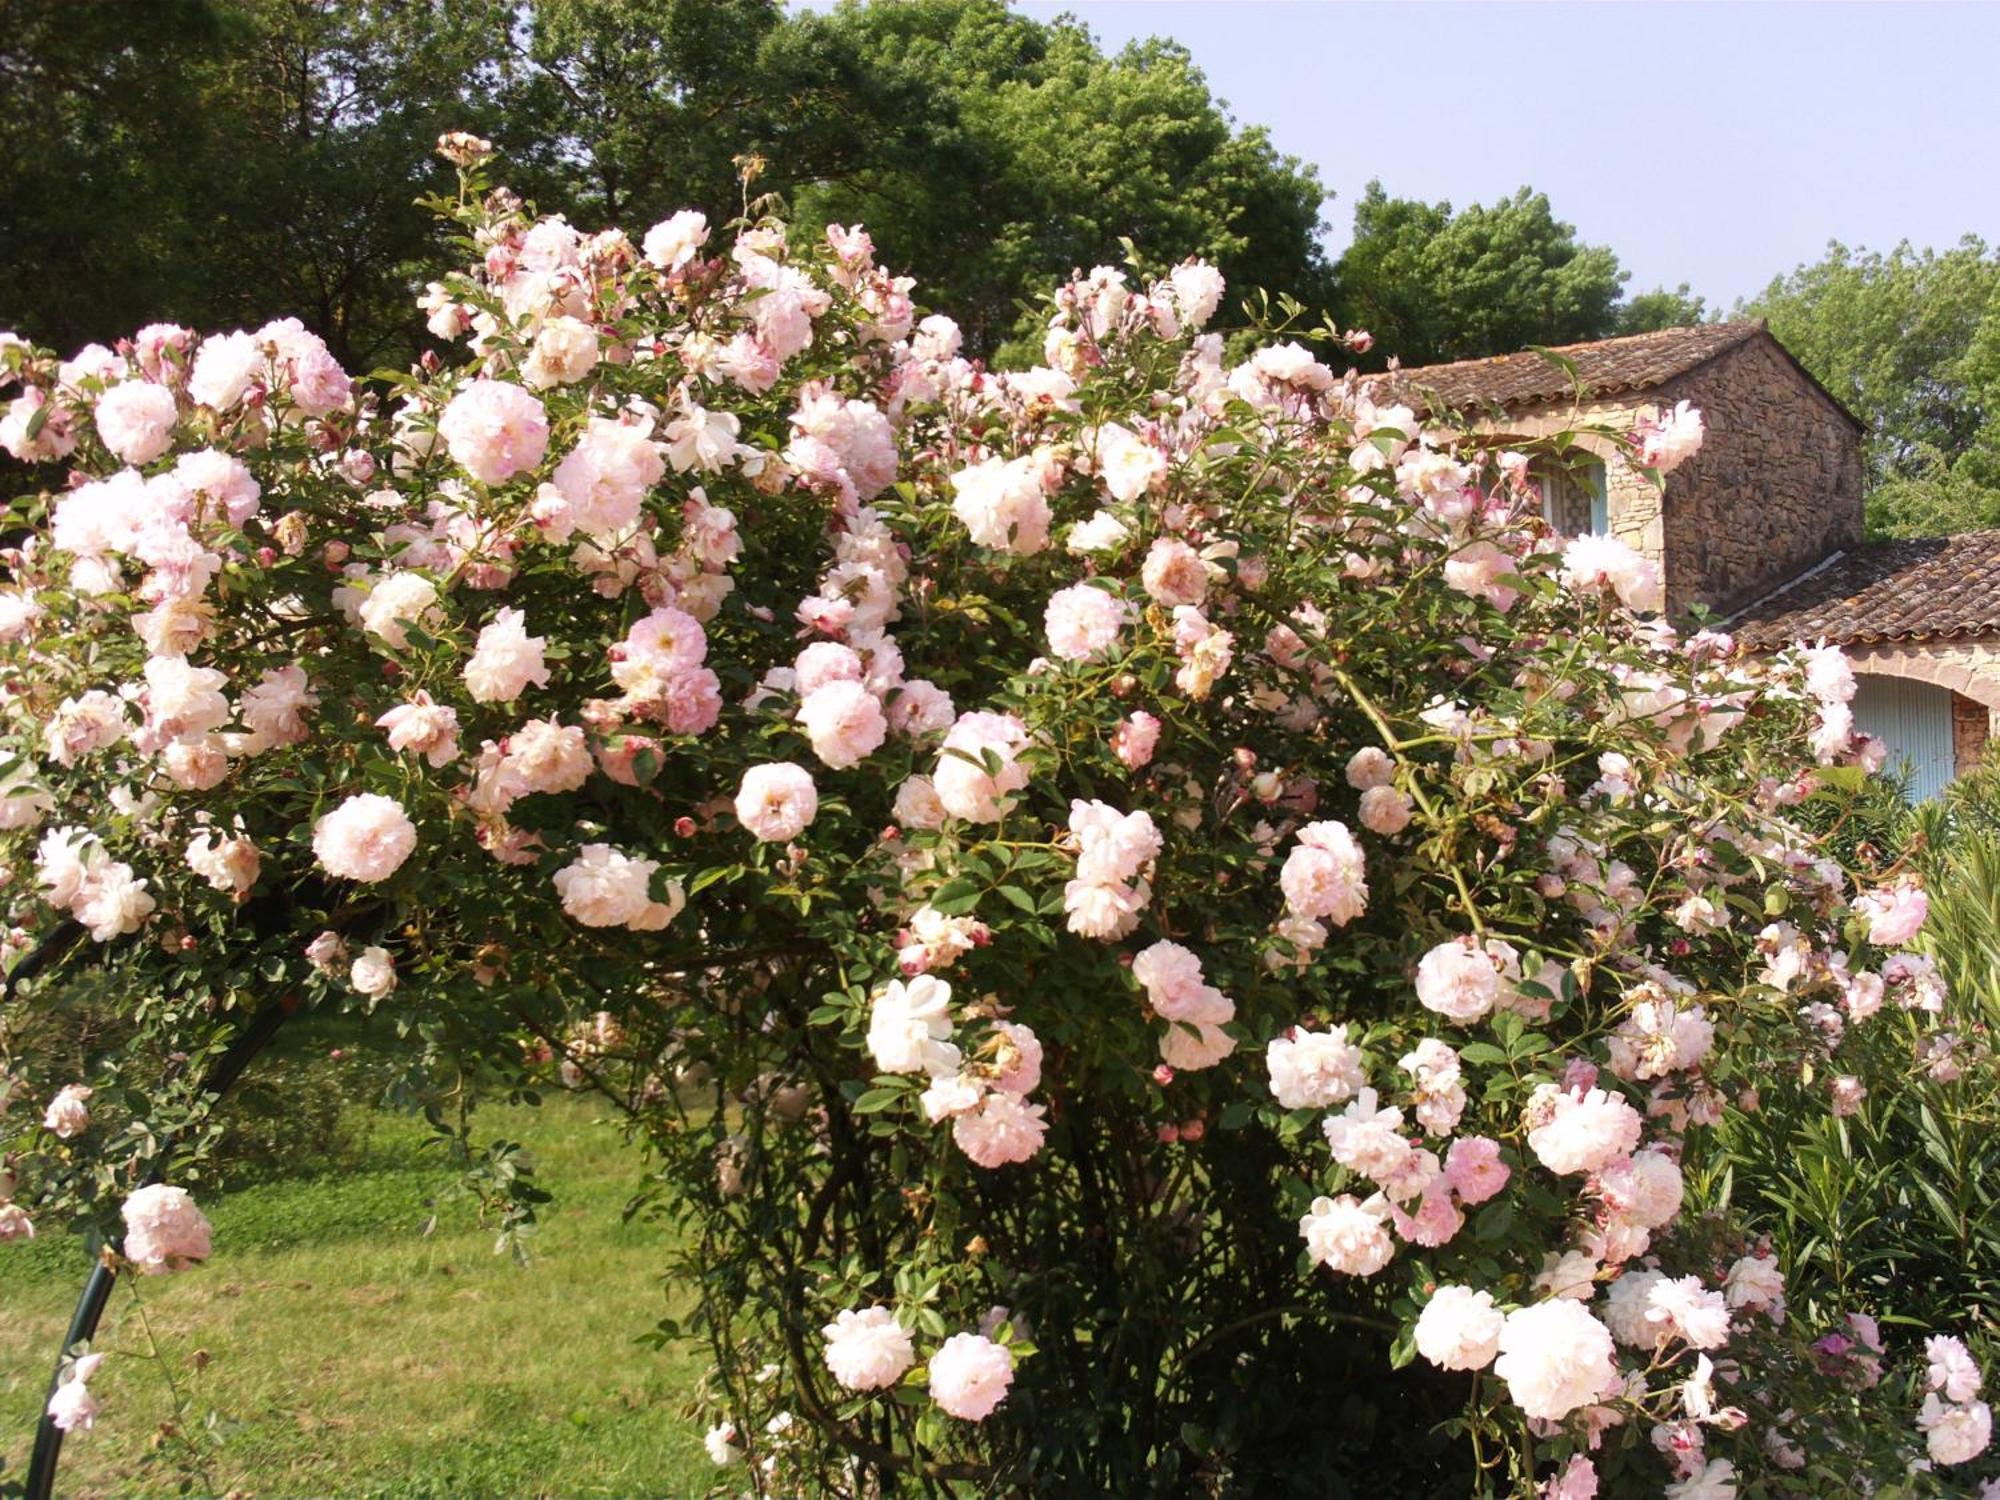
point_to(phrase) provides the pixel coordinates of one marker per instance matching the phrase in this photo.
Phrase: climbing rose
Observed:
(1326, 874)
(1584, 1131)
(136, 420)
(1950, 1367)
(1459, 1329)
(71, 1406)
(1002, 504)
(366, 838)
(909, 1026)
(1004, 1129)
(1895, 913)
(845, 723)
(1473, 1168)
(1313, 1069)
(777, 802)
(427, 727)
(1458, 981)
(964, 786)
(1384, 811)
(1555, 1357)
(396, 599)
(969, 1376)
(602, 887)
(1135, 739)
(1955, 1434)
(164, 1231)
(1083, 622)
(1174, 573)
(867, 1350)
(1348, 1236)
(494, 429)
(68, 1114)
(1670, 440)
(505, 660)
(605, 477)
(1602, 564)
(672, 243)
(373, 973)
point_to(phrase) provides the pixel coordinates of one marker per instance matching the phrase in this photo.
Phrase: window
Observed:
(1574, 500)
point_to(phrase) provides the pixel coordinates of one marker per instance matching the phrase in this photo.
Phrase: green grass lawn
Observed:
(343, 1352)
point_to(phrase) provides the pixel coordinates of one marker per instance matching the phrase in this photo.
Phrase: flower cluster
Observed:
(1026, 837)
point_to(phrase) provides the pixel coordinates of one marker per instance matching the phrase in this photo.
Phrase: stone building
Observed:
(1761, 531)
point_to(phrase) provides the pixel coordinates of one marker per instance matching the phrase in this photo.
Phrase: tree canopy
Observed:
(1035, 152)
(1433, 285)
(1910, 341)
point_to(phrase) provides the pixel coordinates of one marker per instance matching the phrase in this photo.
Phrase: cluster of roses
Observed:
(984, 1095)
(1151, 574)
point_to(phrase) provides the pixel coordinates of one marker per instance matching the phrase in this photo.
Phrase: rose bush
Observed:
(1162, 934)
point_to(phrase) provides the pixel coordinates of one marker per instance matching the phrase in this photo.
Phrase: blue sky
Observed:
(1716, 144)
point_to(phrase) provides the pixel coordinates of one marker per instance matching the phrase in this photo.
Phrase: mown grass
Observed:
(342, 1351)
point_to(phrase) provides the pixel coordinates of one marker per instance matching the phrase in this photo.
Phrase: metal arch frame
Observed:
(96, 1293)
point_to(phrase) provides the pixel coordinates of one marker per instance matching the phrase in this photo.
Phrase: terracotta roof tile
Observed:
(1607, 367)
(1926, 588)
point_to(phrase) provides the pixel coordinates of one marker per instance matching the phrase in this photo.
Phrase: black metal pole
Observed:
(97, 1290)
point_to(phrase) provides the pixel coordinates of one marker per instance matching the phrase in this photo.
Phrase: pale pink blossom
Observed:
(844, 722)
(1473, 1168)
(1671, 439)
(68, 1114)
(1555, 1357)
(494, 429)
(1459, 981)
(228, 864)
(135, 419)
(422, 725)
(777, 802)
(506, 660)
(1581, 1130)
(1174, 573)
(672, 243)
(1002, 504)
(366, 838)
(1083, 622)
(965, 787)
(1459, 1329)
(1594, 564)
(1135, 739)
(969, 1376)
(1325, 877)
(164, 1231)
(867, 1350)
(1895, 913)
(1348, 1236)
(373, 973)
(909, 1028)
(1004, 1129)
(605, 477)
(1313, 1069)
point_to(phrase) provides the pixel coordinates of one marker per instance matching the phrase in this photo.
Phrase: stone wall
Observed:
(1971, 728)
(1632, 504)
(1774, 490)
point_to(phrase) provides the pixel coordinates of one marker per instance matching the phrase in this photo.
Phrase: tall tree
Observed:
(228, 161)
(1648, 312)
(1910, 341)
(1434, 285)
(97, 105)
(1038, 153)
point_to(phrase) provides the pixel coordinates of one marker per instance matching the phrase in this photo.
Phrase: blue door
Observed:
(1914, 720)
